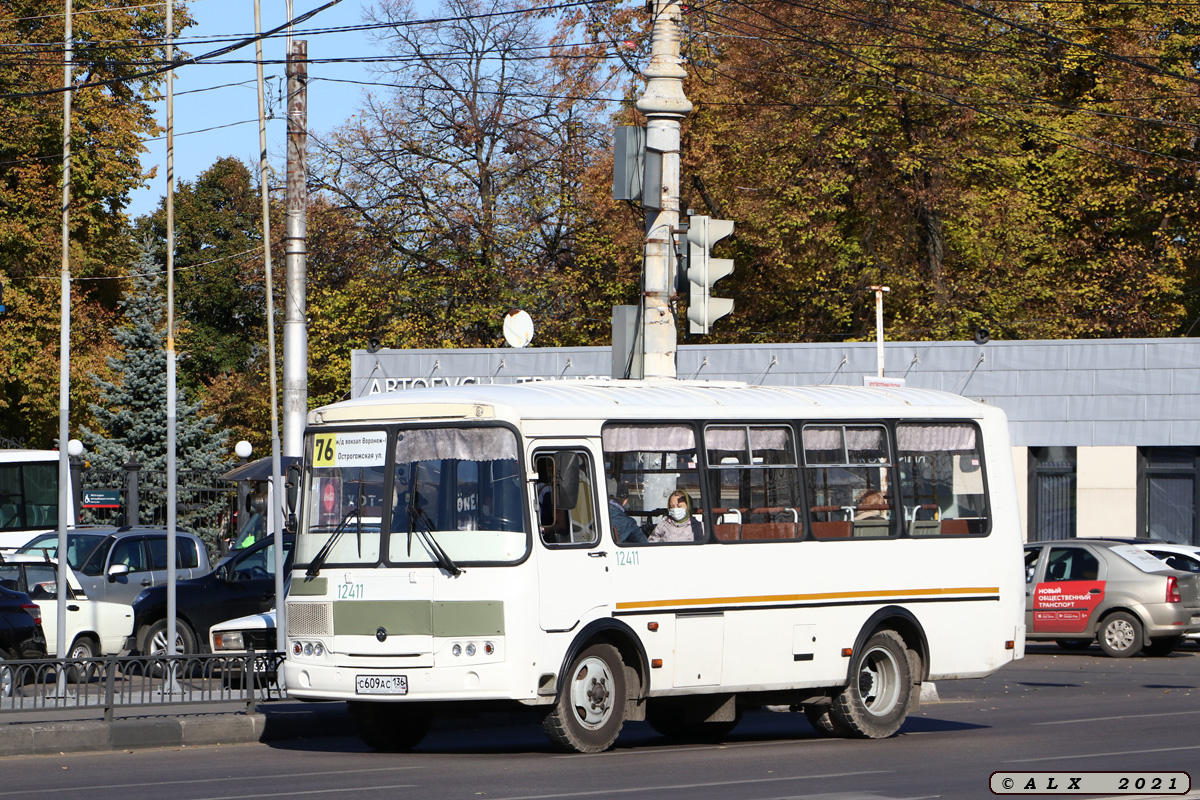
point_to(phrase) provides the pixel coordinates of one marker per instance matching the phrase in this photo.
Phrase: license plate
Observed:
(381, 684)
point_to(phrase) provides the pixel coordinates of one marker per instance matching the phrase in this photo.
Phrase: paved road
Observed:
(1053, 711)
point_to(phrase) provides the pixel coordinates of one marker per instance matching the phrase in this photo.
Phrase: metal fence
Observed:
(113, 682)
(204, 502)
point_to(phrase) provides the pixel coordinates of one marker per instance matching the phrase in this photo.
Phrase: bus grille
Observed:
(310, 619)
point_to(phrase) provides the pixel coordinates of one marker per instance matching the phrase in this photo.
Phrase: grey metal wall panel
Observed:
(1107, 407)
(1081, 393)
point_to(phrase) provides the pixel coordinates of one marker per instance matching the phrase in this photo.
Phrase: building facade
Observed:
(1105, 433)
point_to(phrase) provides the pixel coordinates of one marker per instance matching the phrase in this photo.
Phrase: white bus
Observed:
(458, 549)
(29, 496)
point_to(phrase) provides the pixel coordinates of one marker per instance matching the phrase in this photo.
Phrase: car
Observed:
(94, 627)
(21, 634)
(1083, 590)
(1184, 557)
(237, 637)
(242, 583)
(115, 564)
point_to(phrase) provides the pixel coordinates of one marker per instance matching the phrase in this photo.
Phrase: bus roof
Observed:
(658, 399)
(13, 456)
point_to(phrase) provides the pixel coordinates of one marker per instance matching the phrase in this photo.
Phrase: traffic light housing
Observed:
(704, 270)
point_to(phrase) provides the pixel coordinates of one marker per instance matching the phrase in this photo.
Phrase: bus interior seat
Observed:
(925, 527)
(872, 527)
(956, 527)
(838, 529)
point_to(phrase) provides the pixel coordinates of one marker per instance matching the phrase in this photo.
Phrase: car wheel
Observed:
(1073, 644)
(7, 681)
(1163, 646)
(156, 639)
(1120, 635)
(83, 649)
(390, 727)
(590, 709)
(875, 703)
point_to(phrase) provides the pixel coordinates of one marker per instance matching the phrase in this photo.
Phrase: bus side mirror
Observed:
(566, 483)
(291, 484)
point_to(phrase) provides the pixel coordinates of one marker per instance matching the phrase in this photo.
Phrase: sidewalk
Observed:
(219, 723)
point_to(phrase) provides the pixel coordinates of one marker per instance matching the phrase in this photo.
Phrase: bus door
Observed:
(1071, 589)
(573, 563)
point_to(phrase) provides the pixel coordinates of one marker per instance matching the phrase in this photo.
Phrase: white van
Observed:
(29, 496)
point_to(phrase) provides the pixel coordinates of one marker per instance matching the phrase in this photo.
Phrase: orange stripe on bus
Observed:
(793, 598)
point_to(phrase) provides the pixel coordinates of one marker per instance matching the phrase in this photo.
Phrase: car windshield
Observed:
(79, 546)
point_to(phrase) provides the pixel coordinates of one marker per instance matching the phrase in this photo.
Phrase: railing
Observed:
(106, 684)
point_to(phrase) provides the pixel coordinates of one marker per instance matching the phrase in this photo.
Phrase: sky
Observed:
(216, 104)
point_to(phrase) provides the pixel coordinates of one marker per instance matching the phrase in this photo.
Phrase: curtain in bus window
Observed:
(464, 444)
(660, 438)
(941, 479)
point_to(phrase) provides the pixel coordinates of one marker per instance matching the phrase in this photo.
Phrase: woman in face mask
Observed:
(679, 524)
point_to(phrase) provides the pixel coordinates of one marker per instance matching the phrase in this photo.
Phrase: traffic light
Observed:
(704, 271)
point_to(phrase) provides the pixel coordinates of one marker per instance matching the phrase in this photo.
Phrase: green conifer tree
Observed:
(132, 414)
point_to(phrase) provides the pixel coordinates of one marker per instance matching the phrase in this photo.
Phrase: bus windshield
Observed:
(460, 487)
(455, 497)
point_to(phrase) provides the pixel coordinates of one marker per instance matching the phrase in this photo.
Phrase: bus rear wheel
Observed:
(390, 727)
(590, 709)
(875, 703)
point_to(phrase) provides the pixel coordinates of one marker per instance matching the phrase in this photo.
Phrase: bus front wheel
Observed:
(875, 703)
(590, 709)
(390, 727)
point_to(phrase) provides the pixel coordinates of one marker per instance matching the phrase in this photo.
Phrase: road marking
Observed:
(682, 786)
(1103, 755)
(1107, 719)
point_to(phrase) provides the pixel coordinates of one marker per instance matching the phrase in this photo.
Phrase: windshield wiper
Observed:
(418, 517)
(314, 569)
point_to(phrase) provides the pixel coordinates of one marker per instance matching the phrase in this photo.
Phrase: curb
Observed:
(83, 736)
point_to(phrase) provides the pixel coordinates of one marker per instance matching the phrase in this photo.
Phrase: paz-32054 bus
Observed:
(483, 545)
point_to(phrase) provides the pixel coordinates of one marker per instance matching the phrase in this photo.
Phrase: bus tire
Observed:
(825, 723)
(875, 703)
(390, 727)
(1120, 635)
(590, 709)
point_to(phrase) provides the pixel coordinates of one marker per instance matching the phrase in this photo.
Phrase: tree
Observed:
(112, 113)
(468, 170)
(131, 416)
(1027, 168)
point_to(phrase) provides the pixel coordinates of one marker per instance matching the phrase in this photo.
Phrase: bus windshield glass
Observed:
(344, 498)
(460, 488)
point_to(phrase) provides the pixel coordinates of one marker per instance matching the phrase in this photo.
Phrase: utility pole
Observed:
(64, 348)
(879, 290)
(295, 327)
(664, 105)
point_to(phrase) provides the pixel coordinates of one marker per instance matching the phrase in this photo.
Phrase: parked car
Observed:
(1184, 557)
(20, 634)
(115, 564)
(237, 637)
(243, 583)
(1080, 590)
(94, 627)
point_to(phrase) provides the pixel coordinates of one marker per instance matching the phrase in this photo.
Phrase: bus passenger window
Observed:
(651, 462)
(847, 471)
(942, 488)
(754, 480)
